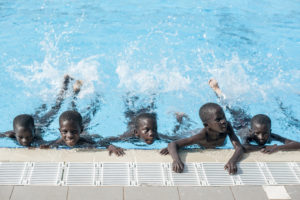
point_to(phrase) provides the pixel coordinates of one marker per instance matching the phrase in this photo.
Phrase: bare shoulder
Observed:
(197, 138)
(86, 140)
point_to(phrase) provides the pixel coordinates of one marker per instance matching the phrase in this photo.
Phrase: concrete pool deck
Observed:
(17, 192)
(133, 155)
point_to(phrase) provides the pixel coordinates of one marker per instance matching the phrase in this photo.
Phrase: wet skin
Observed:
(146, 130)
(70, 132)
(216, 130)
(24, 135)
(214, 134)
(260, 133)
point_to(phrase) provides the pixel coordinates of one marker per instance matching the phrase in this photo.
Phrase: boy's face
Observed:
(147, 130)
(217, 121)
(70, 132)
(24, 135)
(260, 133)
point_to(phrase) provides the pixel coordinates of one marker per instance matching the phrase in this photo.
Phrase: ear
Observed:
(135, 133)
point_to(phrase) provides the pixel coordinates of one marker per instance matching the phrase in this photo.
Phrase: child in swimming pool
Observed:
(25, 132)
(259, 132)
(71, 130)
(216, 129)
(142, 124)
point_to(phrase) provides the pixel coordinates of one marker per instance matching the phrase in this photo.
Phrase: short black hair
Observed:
(23, 120)
(207, 109)
(143, 116)
(71, 115)
(261, 119)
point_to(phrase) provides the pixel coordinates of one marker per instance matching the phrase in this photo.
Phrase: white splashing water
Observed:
(45, 78)
(50, 76)
(146, 77)
(160, 78)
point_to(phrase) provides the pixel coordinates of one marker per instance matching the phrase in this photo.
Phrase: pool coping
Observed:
(133, 155)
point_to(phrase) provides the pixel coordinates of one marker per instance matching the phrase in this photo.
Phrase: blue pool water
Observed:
(161, 51)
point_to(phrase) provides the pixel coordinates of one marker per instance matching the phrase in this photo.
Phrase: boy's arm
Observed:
(106, 142)
(9, 134)
(245, 138)
(174, 146)
(48, 117)
(52, 144)
(231, 164)
(288, 145)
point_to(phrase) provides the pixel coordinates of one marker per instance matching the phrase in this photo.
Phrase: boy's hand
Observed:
(44, 146)
(231, 167)
(116, 150)
(270, 149)
(164, 151)
(177, 166)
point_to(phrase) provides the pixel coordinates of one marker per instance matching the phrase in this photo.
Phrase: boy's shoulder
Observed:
(201, 134)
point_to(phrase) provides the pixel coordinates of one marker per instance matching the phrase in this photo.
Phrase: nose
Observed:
(151, 133)
(223, 121)
(260, 137)
(70, 135)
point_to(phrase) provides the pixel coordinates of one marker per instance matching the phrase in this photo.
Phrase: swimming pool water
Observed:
(161, 51)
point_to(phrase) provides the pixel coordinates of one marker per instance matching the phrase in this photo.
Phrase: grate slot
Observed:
(188, 177)
(149, 174)
(45, 173)
(116, 174)
(282, 173)
(251, 174)
(216, 175)
(13, 173)
(80, 174)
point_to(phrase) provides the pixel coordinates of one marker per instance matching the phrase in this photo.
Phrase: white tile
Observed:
(276, 192)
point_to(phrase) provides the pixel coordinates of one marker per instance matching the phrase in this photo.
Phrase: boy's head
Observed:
(24, 129)
(213, 117)
(70, 127)
(145, 127)
(260, 128)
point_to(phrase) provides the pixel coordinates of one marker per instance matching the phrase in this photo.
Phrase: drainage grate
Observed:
(152, 174)
(282, 173)
(80, 174)
(296, 168)
(216, 175)
(44, 173)
(188, 177)
(251, 174)
(12, 173)
(115, 174)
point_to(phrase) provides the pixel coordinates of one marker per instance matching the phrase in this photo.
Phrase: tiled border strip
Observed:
(147, 174)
